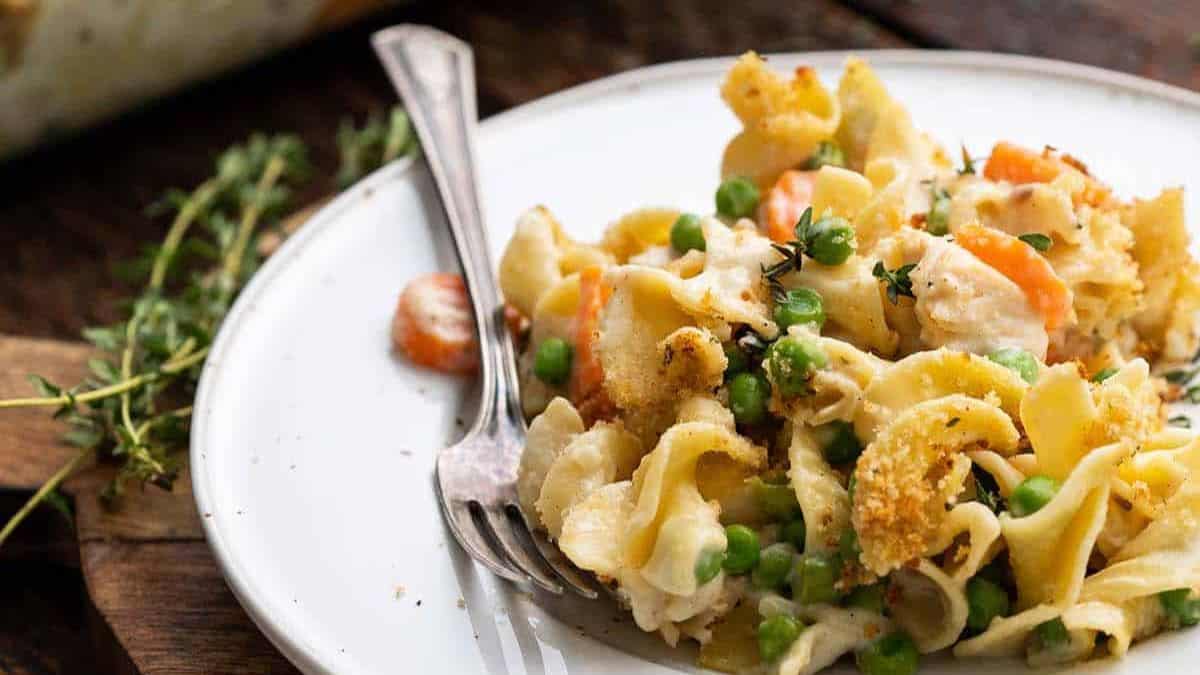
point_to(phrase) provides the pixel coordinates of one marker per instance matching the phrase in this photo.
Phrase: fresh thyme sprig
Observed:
(792, 252)
(374, 144)
(897, 280)
(133, 407)
(968, 167)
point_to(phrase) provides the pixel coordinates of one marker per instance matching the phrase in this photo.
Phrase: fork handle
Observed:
(435, 76)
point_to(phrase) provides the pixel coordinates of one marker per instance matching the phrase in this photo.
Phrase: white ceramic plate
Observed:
(313, 447)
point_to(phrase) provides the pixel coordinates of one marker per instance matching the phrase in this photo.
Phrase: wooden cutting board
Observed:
(147, 567)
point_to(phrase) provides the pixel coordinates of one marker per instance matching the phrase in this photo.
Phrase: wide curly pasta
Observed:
(855, 305)
(649, 533)
(876, 403)
(782, 121)
(823, 499)
(538, 256)
(935, 374)
(1168, 320)
(913, 468)
(1049, 550)
(648, 346)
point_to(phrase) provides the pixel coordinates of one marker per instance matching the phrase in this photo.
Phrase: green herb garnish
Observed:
(987, 491)
(897, 280)
(125, 411)
(968, 167)
(376, 143)
(1039, 242)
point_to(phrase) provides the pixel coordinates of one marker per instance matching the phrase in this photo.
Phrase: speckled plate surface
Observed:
(313, 446)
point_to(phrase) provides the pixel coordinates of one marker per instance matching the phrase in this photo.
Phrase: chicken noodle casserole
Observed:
(883, 402)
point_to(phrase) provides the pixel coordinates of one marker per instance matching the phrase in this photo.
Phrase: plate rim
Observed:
(308, 658)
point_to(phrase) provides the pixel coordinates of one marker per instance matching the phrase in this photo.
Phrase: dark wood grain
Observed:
(153, 585)
(29, 438)
(43, 625)
(169, 607)
(1153, 38)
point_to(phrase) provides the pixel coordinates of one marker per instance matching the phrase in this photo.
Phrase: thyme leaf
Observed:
(1039, 242)
(897, 280)
(968, 167)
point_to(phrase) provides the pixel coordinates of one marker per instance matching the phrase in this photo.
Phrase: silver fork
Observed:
(476, 478)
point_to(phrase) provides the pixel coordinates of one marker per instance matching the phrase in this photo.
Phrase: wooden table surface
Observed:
(137, 591)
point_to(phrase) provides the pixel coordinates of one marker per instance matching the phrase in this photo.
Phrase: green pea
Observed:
(937, 222)
(777, 500)
(686, 233)
(708, 565)
(774, 564)
(1104, 374)
(813, 578)
(737, 361)
(1180, 608)
(776, 635)
(827, 154)
(840, 445)
(792, 361)
(869, 597)
(795, 533)
(830, 240)
(893, 654)
(748, 394)
(1017, 360)
(985, 601)
(552, 362)
(800, 306)
(741, 554)
(1052, 634)
(848, 545)
(737, 197)
(1031, 495)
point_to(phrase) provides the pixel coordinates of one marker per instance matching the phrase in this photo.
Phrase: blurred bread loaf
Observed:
(65, 64)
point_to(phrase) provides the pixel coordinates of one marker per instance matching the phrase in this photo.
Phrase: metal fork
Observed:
(476, 478)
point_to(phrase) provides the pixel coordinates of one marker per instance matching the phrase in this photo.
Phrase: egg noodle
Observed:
(881, 403)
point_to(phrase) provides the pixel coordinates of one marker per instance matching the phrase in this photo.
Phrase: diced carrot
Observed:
(1024, 266)
(1016, 164)
(433, 325)
(587, 375)
(785, 203)
(516, 322)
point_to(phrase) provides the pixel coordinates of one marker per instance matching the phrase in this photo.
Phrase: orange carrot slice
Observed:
(1016, 164)
(516, 322)
(433, 325)
(785, 203)
(587, 375)
(1024, 266)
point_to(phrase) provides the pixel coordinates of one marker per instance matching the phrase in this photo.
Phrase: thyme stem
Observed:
(196, 203)
(47, 487)
(254, 179)
(169, 368)
(237, 253)
(199, 200)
